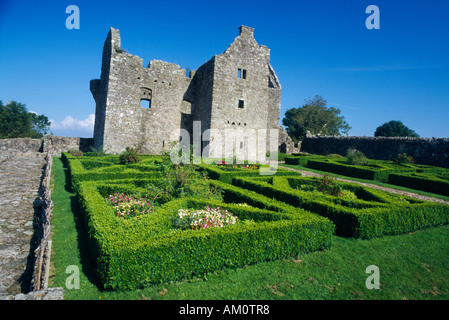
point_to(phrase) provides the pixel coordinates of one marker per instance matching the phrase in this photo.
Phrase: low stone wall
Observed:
(48, 144)
(20, 145)
(424, 150)
(56, 144)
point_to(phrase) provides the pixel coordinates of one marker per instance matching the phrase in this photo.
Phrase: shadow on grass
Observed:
(86, 261)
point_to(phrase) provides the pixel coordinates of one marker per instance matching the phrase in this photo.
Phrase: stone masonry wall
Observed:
(237, 90)
(246, 96)
(49, 143)
(423, 150)
(120, 120)
(20, 144)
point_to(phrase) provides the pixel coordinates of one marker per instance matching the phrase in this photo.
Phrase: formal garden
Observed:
(139, 226)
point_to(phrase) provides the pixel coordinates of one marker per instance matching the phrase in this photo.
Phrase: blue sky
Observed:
(397, 72)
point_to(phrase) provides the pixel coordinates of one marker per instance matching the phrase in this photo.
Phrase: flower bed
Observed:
(230, 166)
(204, 218)
(226, 174)
(126, 206)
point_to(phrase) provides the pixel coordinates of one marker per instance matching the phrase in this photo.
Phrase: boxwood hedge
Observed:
(426, 182)
(374, 214)
(147, 249)
(374, 170)
(107, 168)
(225, 174)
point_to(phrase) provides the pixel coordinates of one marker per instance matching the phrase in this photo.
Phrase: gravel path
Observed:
(306, 173)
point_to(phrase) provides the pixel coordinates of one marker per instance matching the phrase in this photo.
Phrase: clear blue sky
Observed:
(398, 72)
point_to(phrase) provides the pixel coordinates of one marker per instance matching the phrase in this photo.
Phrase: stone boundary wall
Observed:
(20, 145)
(48, 144)
(430, 151)
(56, 144)
(51, 146)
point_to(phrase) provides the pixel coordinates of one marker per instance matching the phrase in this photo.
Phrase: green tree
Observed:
(316, 117)
(17, 122)
(394, 128)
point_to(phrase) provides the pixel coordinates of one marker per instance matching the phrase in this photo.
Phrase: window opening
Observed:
(145, 103)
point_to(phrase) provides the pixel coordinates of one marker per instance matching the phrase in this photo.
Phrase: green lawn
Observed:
(413, 266)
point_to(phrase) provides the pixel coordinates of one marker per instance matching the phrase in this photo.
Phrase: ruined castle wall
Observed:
(241, 100)
(274, 112)
(203, 81)
(123, 117)
(126, 123)
(99, 87)
(235, 92)
(161, 122)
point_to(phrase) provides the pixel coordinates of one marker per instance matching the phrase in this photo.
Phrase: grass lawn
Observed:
(412, 266)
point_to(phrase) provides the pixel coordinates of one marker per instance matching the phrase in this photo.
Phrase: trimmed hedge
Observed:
(385, 214)
(225, 175)
(302, 160)
(378, 172)
(374, 170)
(107, 169)
(419, 181)
(146, 249)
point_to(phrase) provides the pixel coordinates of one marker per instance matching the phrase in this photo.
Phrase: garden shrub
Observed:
(76, 153)
(356, 157)
(180, 180)
(403, 158)
(128, 156)
(328, 185)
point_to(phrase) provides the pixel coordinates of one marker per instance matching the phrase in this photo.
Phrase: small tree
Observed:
(316, 117)
(394, 128)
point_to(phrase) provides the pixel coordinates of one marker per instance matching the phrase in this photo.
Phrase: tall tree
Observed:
(394, 128)
(316, 117)
(17, 122)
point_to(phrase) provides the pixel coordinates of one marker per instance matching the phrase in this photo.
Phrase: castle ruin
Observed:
(228, 105)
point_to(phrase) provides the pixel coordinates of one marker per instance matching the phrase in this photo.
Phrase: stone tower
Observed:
(228, 105)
